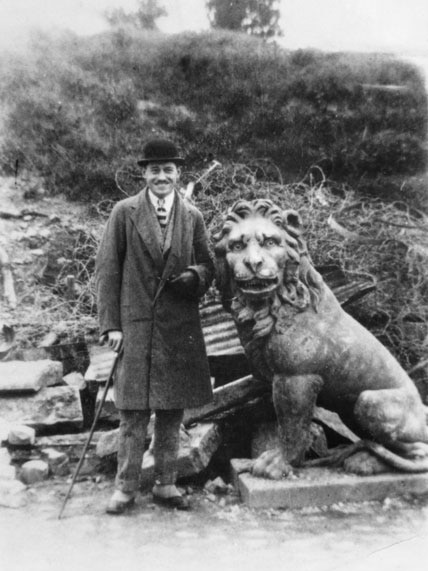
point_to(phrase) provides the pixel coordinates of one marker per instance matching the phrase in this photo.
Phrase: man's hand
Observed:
(185, 284)
(115, 340)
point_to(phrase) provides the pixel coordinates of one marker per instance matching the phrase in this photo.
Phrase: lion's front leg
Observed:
(294, 398)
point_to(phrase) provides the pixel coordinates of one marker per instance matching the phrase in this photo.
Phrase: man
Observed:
(152, 266)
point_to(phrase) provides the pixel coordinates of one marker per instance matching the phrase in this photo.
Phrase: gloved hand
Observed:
(185, 284)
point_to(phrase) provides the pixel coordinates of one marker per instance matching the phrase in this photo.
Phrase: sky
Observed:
(330, 25)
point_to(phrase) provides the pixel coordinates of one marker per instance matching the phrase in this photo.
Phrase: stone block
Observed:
(21, 435)
(316, 487)
(33, 472)
(12, 494)
(75, 379)
(109, 411)
(50, 406)
(196, 450)
(19, 376)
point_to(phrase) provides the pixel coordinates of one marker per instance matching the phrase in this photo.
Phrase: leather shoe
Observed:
(175, 502)
(117, 507)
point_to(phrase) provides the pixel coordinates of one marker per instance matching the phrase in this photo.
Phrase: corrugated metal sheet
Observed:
(220, 334)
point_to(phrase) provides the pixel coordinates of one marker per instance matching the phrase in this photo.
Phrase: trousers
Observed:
(132, 436)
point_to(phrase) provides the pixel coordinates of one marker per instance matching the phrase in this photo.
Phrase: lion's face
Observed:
(257, 254)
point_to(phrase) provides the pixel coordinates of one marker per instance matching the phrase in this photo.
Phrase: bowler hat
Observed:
(160, 151)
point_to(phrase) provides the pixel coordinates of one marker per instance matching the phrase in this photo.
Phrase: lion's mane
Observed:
(305, 285)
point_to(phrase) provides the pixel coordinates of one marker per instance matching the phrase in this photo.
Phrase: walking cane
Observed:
(96, 417)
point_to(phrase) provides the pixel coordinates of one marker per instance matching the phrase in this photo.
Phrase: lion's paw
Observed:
(271, 465)
(365, 464)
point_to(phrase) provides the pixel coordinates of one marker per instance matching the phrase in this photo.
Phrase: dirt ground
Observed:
(219, 533)
(390, 535)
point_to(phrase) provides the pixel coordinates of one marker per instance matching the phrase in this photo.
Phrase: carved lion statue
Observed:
(297, 336)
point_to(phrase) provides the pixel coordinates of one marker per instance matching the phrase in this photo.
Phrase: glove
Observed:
(185, 285)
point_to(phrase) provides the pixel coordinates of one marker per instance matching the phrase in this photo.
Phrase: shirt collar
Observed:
(169, 200)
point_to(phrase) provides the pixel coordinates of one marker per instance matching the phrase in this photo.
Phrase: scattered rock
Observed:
(17, 376)
(75, 379)
(34, 471)
(217, 486)
(58, 462)
(21, 435)
(12, 494)
(7, 472)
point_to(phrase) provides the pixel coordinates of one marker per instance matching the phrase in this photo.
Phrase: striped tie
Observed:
(161, 213)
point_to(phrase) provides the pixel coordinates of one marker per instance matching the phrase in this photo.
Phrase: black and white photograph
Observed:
(213, 285)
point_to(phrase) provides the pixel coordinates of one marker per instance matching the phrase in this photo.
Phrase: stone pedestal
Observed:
(316, 487)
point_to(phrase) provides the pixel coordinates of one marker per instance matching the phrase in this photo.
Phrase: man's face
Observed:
(161, 178)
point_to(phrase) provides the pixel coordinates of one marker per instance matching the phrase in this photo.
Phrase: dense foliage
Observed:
(75, 110)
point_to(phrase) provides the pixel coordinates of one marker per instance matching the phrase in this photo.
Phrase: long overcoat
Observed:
(163, 363)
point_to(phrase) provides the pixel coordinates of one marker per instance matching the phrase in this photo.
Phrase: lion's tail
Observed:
(338, 456)
(417, 464)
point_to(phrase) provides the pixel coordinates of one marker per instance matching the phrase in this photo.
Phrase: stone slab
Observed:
(196, 450)
(70, 444)
(23, 376)
(316, 487)
(48, 407)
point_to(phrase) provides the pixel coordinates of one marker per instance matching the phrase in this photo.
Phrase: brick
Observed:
(317, 487)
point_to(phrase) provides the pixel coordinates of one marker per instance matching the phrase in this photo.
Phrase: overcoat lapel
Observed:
(147, 226)
(181, 237)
